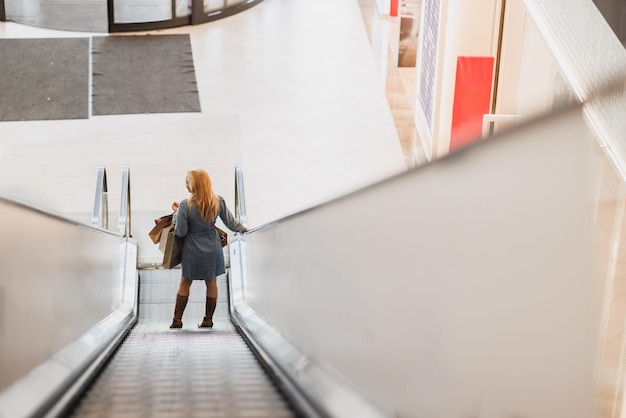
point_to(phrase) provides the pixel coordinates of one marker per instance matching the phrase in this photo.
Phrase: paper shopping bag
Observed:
(173, 248)
(162, 222)
(163, 240)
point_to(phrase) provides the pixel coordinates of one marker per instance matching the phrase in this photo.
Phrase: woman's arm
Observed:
(180, 219)
(228, 218)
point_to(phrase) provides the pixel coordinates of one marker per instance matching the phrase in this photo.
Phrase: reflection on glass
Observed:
(22, 10)
(133, 11)
(91, 15)
(86, 15)
(213, 5)
(183, 8)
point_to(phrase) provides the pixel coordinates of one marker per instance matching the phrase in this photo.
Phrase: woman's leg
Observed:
(211, 303)
(182, 296)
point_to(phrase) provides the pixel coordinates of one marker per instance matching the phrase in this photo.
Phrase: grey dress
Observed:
(203, 257)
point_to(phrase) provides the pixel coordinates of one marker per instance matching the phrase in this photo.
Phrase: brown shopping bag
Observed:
(163, 241)
(162, 222)
(223, 236)
(172, 247)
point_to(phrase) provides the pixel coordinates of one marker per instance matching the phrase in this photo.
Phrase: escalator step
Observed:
(183, 373)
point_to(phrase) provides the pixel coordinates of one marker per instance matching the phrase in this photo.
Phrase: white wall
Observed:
(529, 78)
(538, 75)
(383, 6)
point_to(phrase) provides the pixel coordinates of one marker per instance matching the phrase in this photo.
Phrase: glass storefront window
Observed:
(83, 16)
(213, 5)
(130, 11)
(128, 15)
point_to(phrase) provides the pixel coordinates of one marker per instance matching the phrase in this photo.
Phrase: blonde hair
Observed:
(202, 196)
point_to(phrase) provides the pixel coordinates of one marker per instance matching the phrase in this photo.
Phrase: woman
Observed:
(202, 257)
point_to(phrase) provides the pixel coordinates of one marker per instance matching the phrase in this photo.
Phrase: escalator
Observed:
(192, 372)
(436, 292)
(96, 342)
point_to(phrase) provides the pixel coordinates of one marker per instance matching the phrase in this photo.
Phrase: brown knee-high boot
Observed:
(209, 308)
(181, 303)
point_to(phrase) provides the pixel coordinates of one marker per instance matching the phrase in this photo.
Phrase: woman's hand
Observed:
(175, 206)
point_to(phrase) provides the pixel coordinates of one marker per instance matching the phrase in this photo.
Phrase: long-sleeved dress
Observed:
(203, 257)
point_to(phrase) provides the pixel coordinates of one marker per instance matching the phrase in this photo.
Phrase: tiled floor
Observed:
(301, 105)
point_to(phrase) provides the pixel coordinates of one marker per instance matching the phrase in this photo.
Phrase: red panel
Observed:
(472, 99)
(393, 11)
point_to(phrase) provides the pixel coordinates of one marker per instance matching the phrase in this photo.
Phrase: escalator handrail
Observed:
(100, 214)
(240, 197)
(123, 223)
